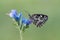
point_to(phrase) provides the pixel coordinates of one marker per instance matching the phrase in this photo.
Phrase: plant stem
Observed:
(20, 31)
(21, 34)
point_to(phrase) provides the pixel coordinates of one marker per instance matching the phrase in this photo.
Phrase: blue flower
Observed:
(25, 23)
(19, 18)
(13, 14)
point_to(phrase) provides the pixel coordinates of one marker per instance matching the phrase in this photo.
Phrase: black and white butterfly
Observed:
(38, 19)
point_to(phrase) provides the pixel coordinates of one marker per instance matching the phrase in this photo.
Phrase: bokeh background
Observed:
(49, 31)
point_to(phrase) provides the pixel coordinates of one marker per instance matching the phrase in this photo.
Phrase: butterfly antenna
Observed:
(28, 13)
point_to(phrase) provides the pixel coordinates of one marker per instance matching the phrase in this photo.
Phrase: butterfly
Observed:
(38, 19)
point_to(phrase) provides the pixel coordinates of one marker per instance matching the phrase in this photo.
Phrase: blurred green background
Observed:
(50, 30)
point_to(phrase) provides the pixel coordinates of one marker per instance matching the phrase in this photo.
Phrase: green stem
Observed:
(20, 31)
(21, 35)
